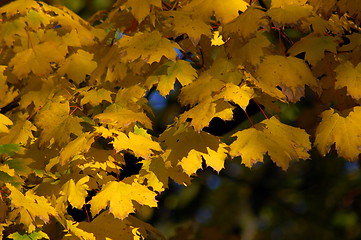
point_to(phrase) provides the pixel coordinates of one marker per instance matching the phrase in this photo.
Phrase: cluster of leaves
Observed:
(74, 107)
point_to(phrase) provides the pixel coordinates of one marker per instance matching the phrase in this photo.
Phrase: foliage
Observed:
(75, 117)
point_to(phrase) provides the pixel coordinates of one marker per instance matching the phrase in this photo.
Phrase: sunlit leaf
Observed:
(281, 142)
(119, 196)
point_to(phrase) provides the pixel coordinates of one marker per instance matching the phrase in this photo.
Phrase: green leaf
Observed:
(29, 236)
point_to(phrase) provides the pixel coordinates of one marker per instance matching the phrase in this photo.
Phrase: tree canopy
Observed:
(79, 132)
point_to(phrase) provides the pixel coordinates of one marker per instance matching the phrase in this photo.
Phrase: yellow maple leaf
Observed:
(37, 59)
(291, 74)
(8, 94)
(75, 193)
(168, 73)
(200, 89)
(217, 39)
(19, 6)
(38, 92)
(343, 131)
(81, 144)
(75, 230)
(9, 175)
(119, 196)
(4, 122)
(141, 8)
(205, 111)
(157, 172)
(283, 143)
(95, 97)
(36, 19)
(103, 228)
(185, 23)
(225, 69)
(129, 97)
(253, 51)
(355, 42)
(223, 12)
(186, 147)
(282, 3)
(122, 118)
(349, 76)
(288, 14)
(57, 124)
(240, 95)
(70, 21)
(20, 133)
(214, 159)
(245, 24)
(30, 207)
(150, 47)
(140, 145)
(314, 47)
(78, 65)
(10, 31)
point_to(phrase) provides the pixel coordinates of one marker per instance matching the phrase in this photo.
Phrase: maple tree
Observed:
(74, 103)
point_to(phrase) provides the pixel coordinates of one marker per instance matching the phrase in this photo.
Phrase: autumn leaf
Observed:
(57, 124)
(314, 47)
(150, 47)
(38, 93)
(73, 229)
(200, 89)
(11, 30)
(78, 65)
(282, 3)
(283, 143)
(9, 149)
(186, 147)
(156, 171)
(141, 8)
(20, 133)
(253, 50)
(37, 59)
(36, 19)
(185, 23)
(30, 207)
(289, 73)
(141, 145)
(75, 193)
(355, 41)
(166, 75)
(104, 224)
(246, 24)
(81, 144)
(7, 174)
(95, 97)
(240, 95)
(343, 131)
(8, 94)
(119, 196)
(223, 12)
(20, 6)
(129, 97)
(349, 76)
(123, 117)
(20, 165)
(35, 235)
(205, 111)
(4, 122)
(289, 14)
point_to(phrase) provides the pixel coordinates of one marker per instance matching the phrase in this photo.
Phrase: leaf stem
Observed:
(87, 213)
(249, 118)
(260, 108)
